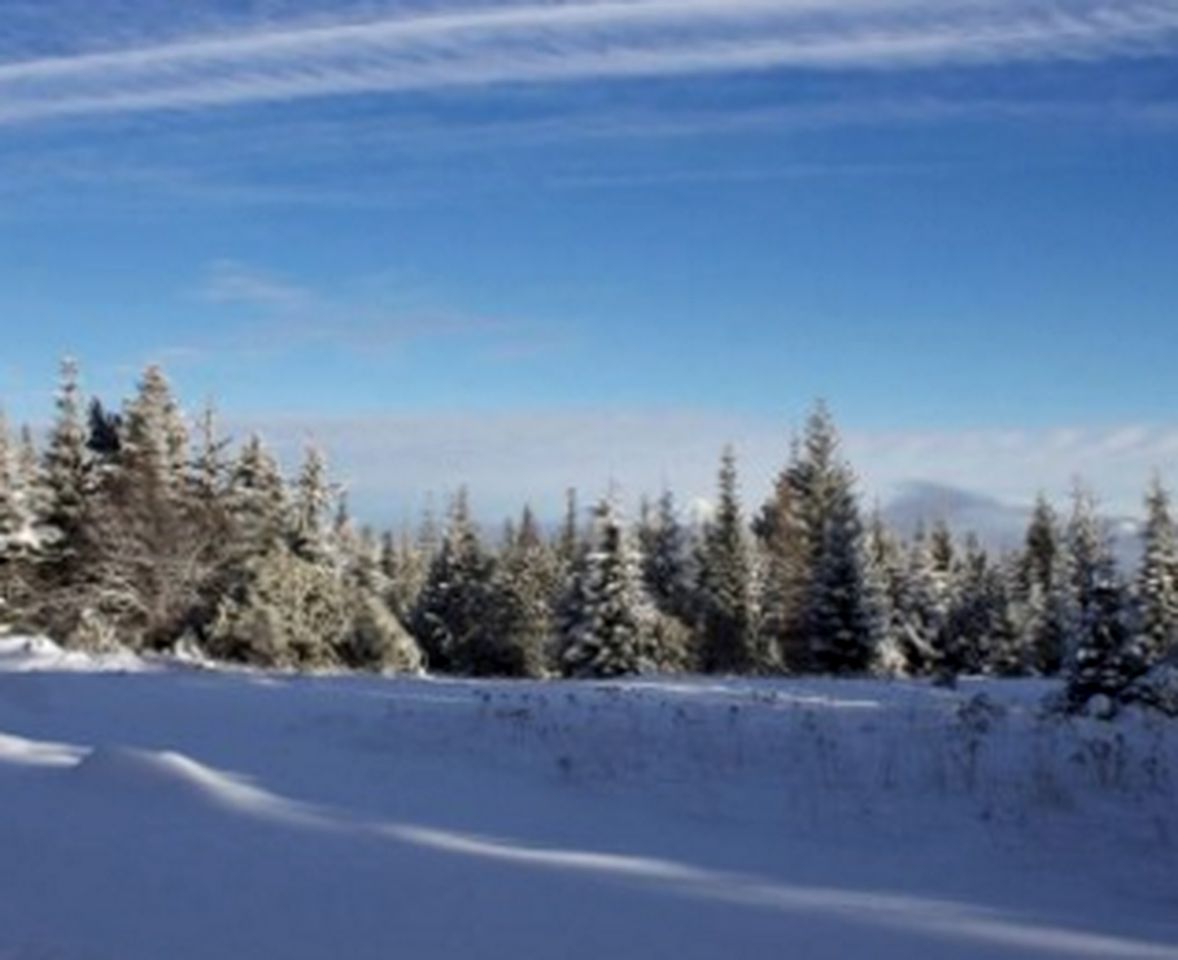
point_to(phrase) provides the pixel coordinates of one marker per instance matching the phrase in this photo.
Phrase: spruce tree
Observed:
(67, 481)
(154, 558)
(611, 631)
(1041, 599)
(781, 533)
(312, 508)
(568, 543)
(405, 565)
(105, 429)
(838, 625)
(1041, 549)
(450, 619)
(376, 639)
(665, 566)
(724, 592)
(980, 634)
(886, 572)
(923, 608)
(12, 519)
(256, 500)
(154, 445)
(523, 625)
(13, 528)
(1157, 578)
(1104, 655)
(282, 610)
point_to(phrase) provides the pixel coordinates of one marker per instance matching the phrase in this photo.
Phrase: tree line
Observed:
(138, 528)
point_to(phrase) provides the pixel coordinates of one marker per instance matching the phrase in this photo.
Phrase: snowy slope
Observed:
(153, 810)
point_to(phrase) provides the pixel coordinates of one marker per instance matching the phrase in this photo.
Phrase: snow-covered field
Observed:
(161, 811)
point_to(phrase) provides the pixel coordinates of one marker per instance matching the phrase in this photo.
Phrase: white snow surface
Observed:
(152, 810)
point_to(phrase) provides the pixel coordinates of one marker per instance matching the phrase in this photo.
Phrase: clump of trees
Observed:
(143, 528)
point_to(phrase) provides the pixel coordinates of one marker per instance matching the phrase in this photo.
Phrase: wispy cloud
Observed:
(540, 43)
(276, 315)
(230, 282)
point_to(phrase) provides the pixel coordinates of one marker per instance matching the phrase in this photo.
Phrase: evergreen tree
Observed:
(568, 543)
(1041, 601)
(13, 528)
(311, 509)
(980, 634)
(12, 518)
(781, 533)
(886, 573)
(450, 619)
(67, 481)
(256, 500)
(210, 471)
(1157, 579)
(154, 445)
(1041, 551)
(405, 565)
(105, 438)
(1105, 656)
(665, 568)
(282, 610)
(523, 587)
(725, 591)
(611, 631)
(154, 555)
(942, 550)
(923, 608)
(376, 639)
(838, 623)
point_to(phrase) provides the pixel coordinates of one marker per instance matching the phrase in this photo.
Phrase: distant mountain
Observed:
(999, 525)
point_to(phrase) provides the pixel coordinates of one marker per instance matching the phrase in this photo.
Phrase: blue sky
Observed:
(529, 243)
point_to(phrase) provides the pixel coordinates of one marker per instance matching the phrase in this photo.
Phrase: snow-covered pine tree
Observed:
(922, 610)
(979, 631)
(12, 527)
(942, 549)
(524, 583)
(450, 619)
(256, 500)
(1090, 563)
(843, 622)
(666, 570)
(67, 482)
(154, 447)
(405, 565)
(568, 544)
(1008, 655)
(885, 573)
(724, 591)
(1107, 657)
(376, 639)
(154, 557)
(1041, 549)
(1157, 578)
(838, 623)
(611, 631)
(312, 509)
(1104, 654)
(210, 469)
(1041, 593)
(781, 533)
(30, 481)
(12, 519)
(281, 610)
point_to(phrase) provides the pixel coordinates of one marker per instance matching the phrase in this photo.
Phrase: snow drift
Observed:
(153, 810)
